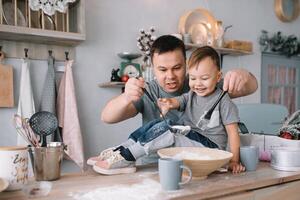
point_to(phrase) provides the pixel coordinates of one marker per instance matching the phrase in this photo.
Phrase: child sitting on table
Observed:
(204, 74)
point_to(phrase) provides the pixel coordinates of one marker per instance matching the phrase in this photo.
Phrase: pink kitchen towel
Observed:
(68, 116)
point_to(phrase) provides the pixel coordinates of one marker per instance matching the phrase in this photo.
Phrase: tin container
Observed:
(47, 162)
(285, 158)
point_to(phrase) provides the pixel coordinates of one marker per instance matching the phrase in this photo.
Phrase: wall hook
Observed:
(67, 55)
(26, 52)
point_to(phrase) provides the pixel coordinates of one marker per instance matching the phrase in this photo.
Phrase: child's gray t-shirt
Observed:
(147, 108)
(194, 106)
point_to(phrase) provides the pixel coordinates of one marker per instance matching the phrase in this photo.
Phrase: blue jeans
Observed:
(157, 127)
(150, 131)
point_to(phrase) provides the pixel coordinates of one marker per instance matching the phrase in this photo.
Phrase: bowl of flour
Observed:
(202, 161)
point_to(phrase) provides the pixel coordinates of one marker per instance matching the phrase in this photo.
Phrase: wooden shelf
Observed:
(223, 51)
(112, 85)
(25, 34)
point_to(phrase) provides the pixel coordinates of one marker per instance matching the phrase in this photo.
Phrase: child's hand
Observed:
(165, 105)
(236, 167)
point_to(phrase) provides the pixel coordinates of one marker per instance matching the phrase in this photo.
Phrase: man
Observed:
(168, 58)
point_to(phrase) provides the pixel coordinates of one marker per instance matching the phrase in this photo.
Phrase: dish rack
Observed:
(18, 13)
(61, 31)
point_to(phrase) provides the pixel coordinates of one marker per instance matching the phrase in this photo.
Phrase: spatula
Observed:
(204, 119)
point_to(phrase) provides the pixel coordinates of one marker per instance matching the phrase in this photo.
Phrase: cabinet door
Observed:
(280, 80)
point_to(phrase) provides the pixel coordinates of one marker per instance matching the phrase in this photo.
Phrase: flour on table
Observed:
(146, 190)
(191, 156)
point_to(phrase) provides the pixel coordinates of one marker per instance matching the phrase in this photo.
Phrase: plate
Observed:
(197, 16)
(8, 15)
(198, 33)
(49, 22)
(3, 184)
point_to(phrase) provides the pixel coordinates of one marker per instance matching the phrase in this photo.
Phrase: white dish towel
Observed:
(26, 107)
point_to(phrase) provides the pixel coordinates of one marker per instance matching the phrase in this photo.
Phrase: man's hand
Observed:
(235, 80)
(134, 89)
(239, 82)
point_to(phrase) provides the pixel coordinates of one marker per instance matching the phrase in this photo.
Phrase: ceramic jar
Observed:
(14, 166)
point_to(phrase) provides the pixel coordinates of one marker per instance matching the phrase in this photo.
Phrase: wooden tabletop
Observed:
(216, 185)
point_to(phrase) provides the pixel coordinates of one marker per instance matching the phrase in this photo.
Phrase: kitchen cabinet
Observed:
(280, 83)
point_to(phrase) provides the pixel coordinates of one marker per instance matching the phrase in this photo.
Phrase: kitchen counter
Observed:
(264, 183)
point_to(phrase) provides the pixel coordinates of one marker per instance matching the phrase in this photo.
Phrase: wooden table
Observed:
(264, 183)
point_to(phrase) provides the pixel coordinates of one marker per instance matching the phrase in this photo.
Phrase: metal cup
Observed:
(47, 162)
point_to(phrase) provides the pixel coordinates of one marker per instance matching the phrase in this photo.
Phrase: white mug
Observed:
(14, 166)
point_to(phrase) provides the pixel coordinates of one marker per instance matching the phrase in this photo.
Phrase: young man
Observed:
(168, 58)
(204, 75)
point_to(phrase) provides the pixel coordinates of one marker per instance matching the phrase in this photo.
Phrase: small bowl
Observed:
(202, 161)
(285, 158)
(37, 189)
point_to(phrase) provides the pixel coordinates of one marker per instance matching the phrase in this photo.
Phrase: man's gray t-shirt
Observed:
(194, 106)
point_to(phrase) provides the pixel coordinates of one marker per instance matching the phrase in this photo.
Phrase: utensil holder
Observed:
(47, 162)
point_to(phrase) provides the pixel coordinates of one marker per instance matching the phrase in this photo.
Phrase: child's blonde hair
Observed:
(201, 53)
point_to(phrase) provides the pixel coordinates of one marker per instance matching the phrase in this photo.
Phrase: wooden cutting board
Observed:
(6, 84)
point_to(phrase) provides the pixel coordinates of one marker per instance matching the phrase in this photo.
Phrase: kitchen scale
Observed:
(127, 67)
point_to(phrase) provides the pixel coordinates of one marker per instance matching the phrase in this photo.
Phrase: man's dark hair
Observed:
(167, 43)
(201, 53)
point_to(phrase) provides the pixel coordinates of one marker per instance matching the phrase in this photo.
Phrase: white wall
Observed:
(113, 26)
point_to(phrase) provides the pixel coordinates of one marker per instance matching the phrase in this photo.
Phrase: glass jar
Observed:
(147, 70)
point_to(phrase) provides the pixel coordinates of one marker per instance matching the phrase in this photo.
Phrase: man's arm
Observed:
(117, 110)
(121, 107)
(239, 82)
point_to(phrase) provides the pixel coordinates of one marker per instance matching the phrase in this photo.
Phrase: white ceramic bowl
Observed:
(285, 158)
(202, 161)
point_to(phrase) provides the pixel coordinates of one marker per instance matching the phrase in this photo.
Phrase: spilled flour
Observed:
(146, 190)
(191, 156)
